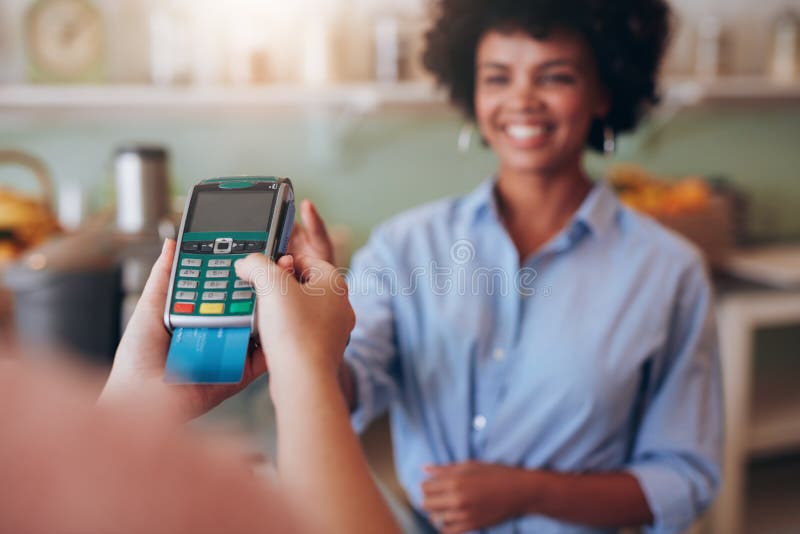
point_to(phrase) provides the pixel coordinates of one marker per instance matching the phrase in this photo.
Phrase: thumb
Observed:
(263, 274)
(315, 272)
(286, 262)
(306, 264)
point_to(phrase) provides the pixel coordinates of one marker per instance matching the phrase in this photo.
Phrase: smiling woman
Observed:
(590, 401)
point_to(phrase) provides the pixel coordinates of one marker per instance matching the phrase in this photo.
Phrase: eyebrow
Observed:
(545, 65)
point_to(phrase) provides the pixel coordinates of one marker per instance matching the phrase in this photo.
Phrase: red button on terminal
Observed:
(183, 307)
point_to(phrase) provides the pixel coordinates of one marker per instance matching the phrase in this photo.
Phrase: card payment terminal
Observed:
(209, 311)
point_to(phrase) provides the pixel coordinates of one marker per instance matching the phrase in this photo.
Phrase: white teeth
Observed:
(519, 131)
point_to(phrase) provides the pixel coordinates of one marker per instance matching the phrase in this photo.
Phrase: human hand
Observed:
(142, 353)
(472, 495)
(311, 237)
(303, 314)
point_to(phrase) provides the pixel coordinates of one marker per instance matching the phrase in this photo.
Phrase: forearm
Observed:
(613, 499)
(320, 461)
(167, 403)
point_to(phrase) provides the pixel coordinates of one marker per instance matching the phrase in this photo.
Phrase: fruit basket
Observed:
(25, 220)
(706, 213)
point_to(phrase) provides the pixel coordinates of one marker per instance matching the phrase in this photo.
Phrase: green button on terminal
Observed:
(240, 307)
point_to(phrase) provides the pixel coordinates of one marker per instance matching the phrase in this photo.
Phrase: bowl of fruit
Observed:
(703, 211)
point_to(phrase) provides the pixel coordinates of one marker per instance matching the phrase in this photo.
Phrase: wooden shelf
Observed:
(360, 97)
(729, 89)
(760, 411)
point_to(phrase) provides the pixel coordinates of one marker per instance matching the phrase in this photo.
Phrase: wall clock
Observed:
(64, 41)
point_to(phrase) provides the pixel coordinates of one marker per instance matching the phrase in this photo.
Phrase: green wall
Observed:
(362, 169)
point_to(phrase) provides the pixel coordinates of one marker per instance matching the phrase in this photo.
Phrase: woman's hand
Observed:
(311, 238)
(139, 362)
(472, 495)
(303, 313)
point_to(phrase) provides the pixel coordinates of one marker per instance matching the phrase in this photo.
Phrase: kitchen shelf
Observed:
(729, 89)
(760, 412)
(101, 101)
(360, 97)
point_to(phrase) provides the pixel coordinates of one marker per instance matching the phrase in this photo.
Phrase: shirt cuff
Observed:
(668, 495)
(361, 417)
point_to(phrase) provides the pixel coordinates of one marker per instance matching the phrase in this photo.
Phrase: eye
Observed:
(496, 79)
(558, 78)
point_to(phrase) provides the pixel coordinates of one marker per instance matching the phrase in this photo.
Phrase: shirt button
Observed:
(479, 422)
(498, 354)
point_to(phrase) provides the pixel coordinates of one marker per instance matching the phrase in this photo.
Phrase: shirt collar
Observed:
(596, 213)
(598, 210)
(480, 200)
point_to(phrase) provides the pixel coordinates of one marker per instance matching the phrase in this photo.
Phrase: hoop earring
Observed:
(465, 138)
(609, 141)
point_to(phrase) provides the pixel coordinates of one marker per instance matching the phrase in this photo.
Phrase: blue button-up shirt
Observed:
(597, 353)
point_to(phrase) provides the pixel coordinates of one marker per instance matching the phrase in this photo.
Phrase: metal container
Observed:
(142, 190)
(67, 296)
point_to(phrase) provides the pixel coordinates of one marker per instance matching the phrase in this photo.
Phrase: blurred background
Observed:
(110, 109)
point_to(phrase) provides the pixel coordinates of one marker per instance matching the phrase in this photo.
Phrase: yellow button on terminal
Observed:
(208, 308)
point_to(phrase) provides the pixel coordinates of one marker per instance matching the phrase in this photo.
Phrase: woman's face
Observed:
(535, 99)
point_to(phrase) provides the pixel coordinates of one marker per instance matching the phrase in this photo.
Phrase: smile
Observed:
(528, 136)
(523, 132)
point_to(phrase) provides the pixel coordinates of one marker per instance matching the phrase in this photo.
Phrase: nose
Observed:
(525, 97)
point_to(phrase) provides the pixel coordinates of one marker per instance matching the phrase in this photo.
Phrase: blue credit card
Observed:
(207, 355)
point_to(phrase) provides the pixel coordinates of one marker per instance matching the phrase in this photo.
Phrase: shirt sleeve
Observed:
(372, 351)
(677, 453)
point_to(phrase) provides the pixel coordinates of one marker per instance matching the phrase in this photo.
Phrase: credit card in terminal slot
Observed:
(207, 355)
